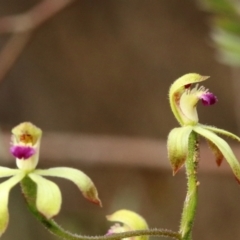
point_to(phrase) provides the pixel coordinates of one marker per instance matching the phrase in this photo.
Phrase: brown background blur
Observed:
(105, 67)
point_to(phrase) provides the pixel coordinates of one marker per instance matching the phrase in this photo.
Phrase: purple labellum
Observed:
(208, 99)
(22, 152)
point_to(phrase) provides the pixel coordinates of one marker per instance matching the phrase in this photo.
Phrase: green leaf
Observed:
(228, 24)
(219, 6)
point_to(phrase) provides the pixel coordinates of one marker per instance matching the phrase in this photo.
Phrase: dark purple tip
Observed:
(22, 152)
(188, 85)
(208, 99)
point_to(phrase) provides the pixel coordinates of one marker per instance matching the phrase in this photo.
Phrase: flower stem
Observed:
(29, 191)
(190, 203)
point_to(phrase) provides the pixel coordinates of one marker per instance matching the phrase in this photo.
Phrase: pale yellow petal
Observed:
(131, 220)
(83, 182)
(7, 172)
(177, 145)
(5, 188)
(49, 198)
(223, 148)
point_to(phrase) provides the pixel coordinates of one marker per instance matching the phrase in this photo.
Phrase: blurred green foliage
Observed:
(225, 25)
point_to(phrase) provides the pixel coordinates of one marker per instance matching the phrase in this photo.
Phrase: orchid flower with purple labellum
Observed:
(183, 100)
(25, 147)
(130, 221)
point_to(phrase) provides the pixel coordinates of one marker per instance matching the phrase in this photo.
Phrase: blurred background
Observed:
(94, 76)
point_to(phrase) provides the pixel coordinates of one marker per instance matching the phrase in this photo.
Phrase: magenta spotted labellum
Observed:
(22, 152)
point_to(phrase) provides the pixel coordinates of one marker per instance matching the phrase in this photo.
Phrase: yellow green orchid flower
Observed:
(130, 221)
(25, 147)
(183, 100)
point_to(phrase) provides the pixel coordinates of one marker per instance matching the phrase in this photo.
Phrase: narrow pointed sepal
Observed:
(5, 188)
(223, 147)
(222, 132)
(7, 172)
(177, 145)
(49, 198)
(83, 182)
(218, 154)
(131, 221)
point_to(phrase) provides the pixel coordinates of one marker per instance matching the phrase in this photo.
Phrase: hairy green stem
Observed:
(190, 203)
(29, 191)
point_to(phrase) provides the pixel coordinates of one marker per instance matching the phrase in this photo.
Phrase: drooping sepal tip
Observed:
(79, 178)
(92, 196)
(175, 169)
(177, 145)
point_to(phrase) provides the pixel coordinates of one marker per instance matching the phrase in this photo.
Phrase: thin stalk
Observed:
(29, 191)
(190, 203)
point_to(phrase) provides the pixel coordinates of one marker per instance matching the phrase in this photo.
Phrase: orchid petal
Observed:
(223, 147)
(131, 221)
(177, 89)
(7, 172)
(49, 198)
(177, 145)
(5, 188)
(217, 153)
(83, 182)
(221, 131)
